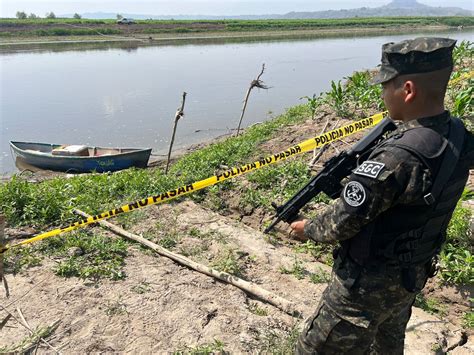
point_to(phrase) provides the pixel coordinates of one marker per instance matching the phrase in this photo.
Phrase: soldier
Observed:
(392, 215)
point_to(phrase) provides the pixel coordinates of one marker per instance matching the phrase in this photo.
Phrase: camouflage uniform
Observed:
(366, 306)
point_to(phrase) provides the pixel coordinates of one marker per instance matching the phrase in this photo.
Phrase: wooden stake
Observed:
(255, 83)
(2, 244)
(249, 287)
(177, 116)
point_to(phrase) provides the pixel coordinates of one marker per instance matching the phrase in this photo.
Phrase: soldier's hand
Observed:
(297, 230)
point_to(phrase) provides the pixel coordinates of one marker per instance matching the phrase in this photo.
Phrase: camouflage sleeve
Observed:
(389, 177)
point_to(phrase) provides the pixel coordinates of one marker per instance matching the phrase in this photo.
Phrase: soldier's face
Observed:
(392, 95)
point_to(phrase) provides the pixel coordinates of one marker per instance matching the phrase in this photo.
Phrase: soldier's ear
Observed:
(410, 91)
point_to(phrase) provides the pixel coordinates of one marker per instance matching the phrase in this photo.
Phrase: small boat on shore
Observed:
(79, 158)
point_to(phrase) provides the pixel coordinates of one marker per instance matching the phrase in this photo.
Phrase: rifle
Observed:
(329, 179)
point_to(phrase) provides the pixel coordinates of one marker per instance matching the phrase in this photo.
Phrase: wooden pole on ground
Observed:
(177, 116)
(249, 287)
(255, 83)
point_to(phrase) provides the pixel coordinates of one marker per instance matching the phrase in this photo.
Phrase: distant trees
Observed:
(77, 16)
(21, 15)
(32, 16)
(50, 15)
(119, 17)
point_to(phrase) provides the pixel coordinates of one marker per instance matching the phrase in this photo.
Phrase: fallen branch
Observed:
(249, 287)
(37, 336)
(23, 322)
(257, 83)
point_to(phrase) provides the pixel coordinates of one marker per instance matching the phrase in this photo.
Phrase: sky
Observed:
(8, 8)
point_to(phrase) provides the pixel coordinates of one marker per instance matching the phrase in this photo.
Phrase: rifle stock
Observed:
(328, 180)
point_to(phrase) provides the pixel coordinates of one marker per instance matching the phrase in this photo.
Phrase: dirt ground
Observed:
(162, 306)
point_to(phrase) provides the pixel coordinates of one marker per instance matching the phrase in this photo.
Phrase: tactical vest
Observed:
(408, 235)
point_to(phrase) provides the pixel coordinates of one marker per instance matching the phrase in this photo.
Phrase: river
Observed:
(127, 96)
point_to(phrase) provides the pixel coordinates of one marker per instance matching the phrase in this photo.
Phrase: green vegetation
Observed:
(27, 344)
(230, 261)
(116, 307)
(142, 287)
(205, 349)
(457, 256)
(28, 25)
(320, 276)
(297, 270)
(81, 253)
(255, 309)
(468, 318)
(278, 342)
(430, 305)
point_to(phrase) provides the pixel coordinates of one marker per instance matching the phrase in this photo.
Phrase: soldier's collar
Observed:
(430, 121)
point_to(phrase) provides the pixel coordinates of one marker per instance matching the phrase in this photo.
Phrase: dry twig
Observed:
(257, 83)
(179, 114)
(2, 244)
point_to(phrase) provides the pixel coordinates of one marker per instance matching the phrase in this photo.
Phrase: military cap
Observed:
(419, 55)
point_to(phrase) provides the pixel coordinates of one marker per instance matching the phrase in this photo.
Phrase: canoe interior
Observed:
(93, 151)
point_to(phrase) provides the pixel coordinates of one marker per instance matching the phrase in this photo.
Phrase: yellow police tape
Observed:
(305, 146)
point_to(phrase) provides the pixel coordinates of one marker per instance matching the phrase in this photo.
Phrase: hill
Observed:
(393, 9)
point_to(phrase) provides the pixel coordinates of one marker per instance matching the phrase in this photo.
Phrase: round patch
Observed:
(354, 194)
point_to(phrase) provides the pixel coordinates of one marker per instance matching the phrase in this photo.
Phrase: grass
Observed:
(95, 256)
(430, 305)
(259, 311)
(457, 255)
(230, 261)
(116, 307)
(468, 319)
(217, 346)
(141, 288)
(297, 270)
(320, 276)
(278, 342)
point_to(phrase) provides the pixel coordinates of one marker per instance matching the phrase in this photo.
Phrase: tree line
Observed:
(21, 15)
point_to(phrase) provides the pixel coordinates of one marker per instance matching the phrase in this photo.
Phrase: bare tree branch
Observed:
(257, 83)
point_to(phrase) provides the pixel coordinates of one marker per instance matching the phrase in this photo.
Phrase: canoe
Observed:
(79, 158)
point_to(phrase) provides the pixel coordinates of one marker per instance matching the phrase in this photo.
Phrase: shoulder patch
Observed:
(354, 194)
(370, 169)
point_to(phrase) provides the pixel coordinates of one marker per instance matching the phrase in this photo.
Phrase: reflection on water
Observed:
(126, 94)
(130, 46)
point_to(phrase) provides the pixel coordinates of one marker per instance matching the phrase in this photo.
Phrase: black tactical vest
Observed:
(408, 235)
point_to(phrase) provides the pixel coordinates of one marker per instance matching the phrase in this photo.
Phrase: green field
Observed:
(84, 27)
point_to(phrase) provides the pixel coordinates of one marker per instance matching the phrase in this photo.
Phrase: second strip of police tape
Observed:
(305, 146)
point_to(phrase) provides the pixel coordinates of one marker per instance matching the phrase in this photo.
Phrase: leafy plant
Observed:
(205, 349)
(457, 259)
(320, 277)
(297, 270)
(255, 309)
(337, 96)
(468, 319)
(430, 305)
(115, 308)
(464, 102)
(313, 103)
(228, 262)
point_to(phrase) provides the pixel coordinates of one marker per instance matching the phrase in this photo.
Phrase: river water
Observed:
(127, 96)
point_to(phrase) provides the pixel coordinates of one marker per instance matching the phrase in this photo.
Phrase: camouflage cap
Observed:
(419, 55)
